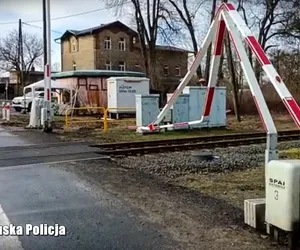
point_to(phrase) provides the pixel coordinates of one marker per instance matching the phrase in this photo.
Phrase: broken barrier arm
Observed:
(267, 66)
(213, 76)
(263, 110)
(207, 41)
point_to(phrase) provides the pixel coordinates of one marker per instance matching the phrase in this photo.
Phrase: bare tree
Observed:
(208, 55)
(287, 64)
(291, 28)
(152, 18)
(232, 72)
(56, 67)
(10, 53)
(241, 9)
(187, 15)
(272, 21)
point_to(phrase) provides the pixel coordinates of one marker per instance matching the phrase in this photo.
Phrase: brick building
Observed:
(13, 81)
(115, 46)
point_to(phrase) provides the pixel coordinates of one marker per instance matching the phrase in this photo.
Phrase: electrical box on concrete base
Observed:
(196, 102)
(197, 96)
(180, 110)
(147, 109)
(121, 93)
(283, 194)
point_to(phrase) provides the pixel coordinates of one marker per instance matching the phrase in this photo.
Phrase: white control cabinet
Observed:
(121, 93)
(283, 194)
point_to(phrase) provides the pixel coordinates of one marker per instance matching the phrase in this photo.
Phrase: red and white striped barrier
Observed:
(3, 111)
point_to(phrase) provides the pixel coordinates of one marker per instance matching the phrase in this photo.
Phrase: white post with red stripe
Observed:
(3, 111)
(47, 124)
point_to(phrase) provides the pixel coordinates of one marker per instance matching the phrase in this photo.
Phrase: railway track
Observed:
(203, 142)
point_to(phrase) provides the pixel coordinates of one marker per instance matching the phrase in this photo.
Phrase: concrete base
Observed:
(146, 132)
(203, 155)
(254, 213)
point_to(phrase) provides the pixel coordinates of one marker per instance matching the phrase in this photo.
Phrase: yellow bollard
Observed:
(105, 125)
(66, 119)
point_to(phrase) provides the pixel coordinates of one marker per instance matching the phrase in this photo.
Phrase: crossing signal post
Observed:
(47, 113)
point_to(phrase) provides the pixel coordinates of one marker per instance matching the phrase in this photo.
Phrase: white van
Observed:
(24, 102)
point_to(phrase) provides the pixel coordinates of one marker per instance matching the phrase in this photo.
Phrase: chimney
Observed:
(32, 68)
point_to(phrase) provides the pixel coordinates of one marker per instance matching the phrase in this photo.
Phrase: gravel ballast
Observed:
(177, 164)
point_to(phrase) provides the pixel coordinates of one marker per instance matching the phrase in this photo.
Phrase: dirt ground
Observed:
(232, 187)
(196, 218)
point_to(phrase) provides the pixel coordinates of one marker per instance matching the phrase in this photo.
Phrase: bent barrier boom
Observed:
(227, 17)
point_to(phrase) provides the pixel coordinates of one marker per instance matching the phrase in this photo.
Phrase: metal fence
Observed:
(70, 119)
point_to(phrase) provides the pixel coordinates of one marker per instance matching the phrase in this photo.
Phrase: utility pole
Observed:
(47, 110)
(20, 54)
(21, 63)
(6, 89)
(45, 32)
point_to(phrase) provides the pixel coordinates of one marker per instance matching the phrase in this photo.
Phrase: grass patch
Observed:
(253, 122)
(118, 134)
(22, 121)
(293, 153)
(118, 129)
(233, 187)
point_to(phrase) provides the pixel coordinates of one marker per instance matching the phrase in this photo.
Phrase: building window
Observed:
(122, 66)
(74, 65)
(122, 44)
(107, 65)
(166, 70)
(177, 71)
(103, 84)
(107, 43)
(134, 40)
(73, 45)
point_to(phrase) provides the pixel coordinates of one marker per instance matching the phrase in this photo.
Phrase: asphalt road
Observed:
(35, 194)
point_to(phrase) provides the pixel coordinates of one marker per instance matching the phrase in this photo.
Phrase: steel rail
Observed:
(189, 140)
(195, 145)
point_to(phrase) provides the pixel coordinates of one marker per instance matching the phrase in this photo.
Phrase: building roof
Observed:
(114, 24)
(96, 73)
(97, 29)
(36, 72)
(171, 48)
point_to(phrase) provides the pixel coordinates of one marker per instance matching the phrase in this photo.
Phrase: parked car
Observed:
(24, 102)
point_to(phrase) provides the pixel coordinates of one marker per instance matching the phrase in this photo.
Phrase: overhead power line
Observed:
(38, 27)
(71, 15)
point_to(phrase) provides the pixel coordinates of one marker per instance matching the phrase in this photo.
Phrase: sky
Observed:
(30, 11)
